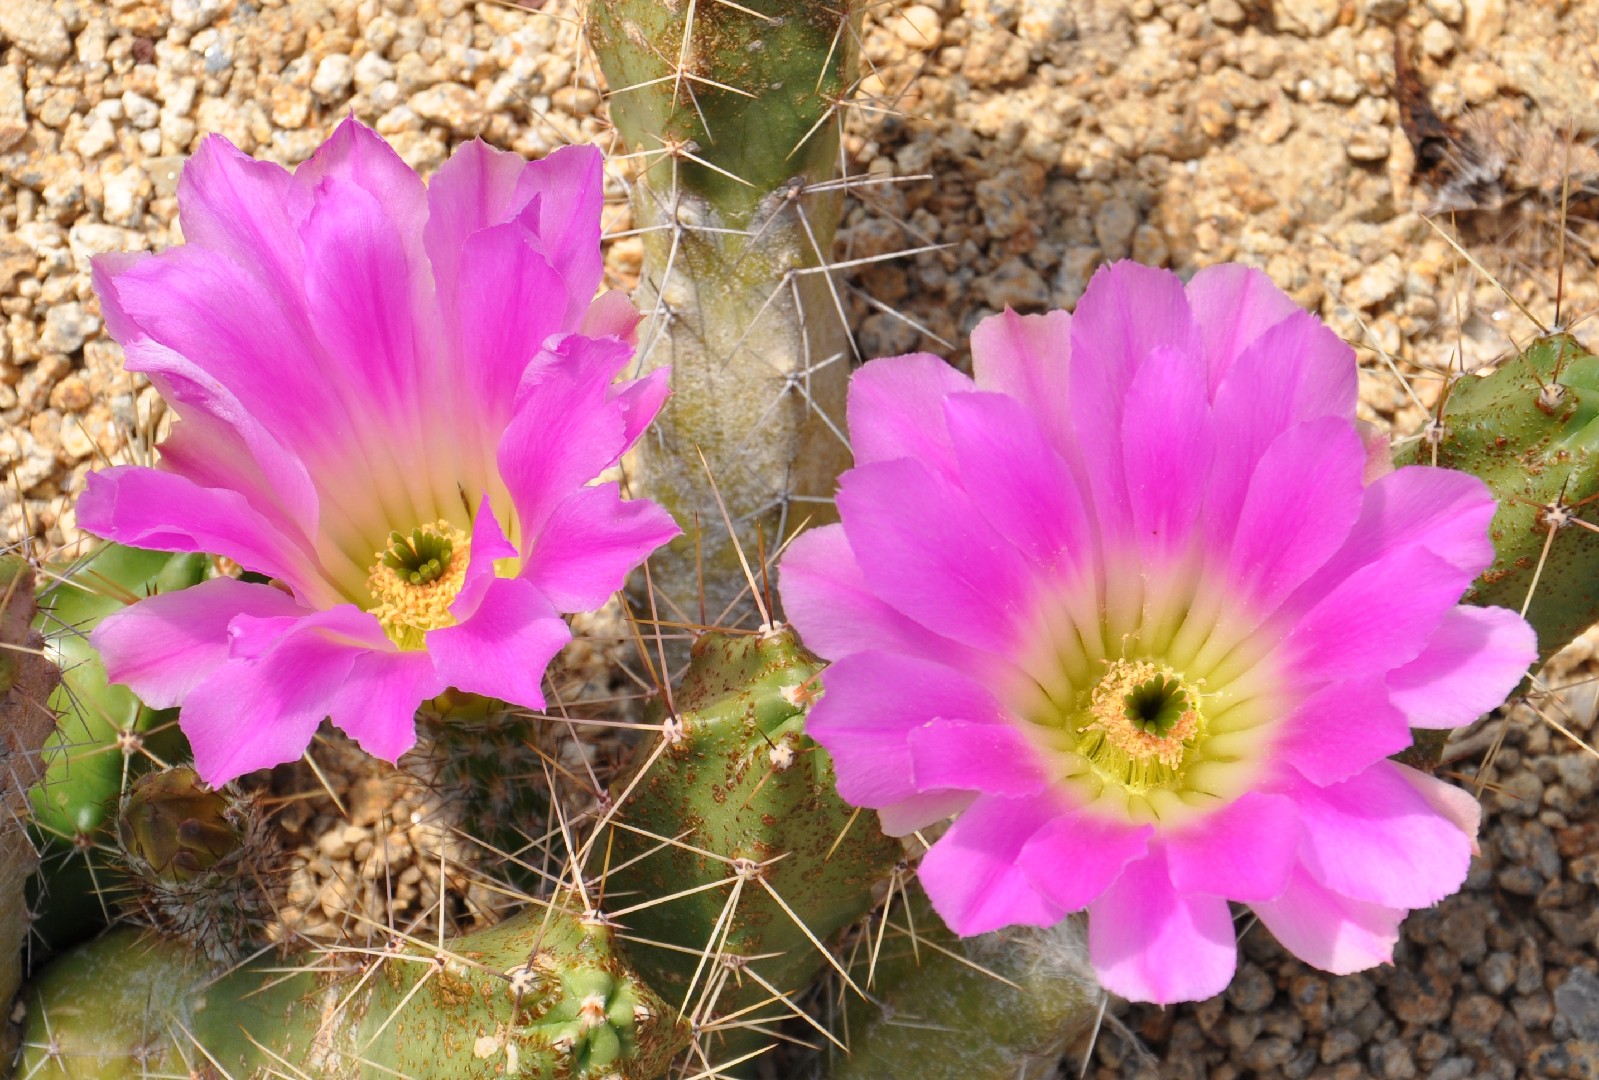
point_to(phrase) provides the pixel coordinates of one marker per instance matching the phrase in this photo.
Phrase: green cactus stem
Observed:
(27, 679)
(543, 996)
(761, 840)
(735, 111)
(1000, 1006)
(95, 748)
(486, 760)
(100, 722)
(1531, 431)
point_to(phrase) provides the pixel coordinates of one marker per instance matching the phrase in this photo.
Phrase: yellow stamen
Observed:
(1138, 757)
(408, 611)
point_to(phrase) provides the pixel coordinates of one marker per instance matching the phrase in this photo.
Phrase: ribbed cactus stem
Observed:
(26, 721)
(543, 995)
(735, 110)
(1000, 1006)
(760, 841)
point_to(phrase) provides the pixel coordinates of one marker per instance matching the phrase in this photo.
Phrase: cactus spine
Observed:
(203, 862)
(486, 762)
(543, 995)
(735, 109)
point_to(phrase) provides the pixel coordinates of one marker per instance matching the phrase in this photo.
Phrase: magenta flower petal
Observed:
(499, 331)
(164, 646)
(874, 704)
(570, 186)
(1136, 609)
(474, 190)
(1027, 357)
(612, 314)
(356, 154)
(489, 546)
(959, 755)
(1096, 850)
(972, 875)
(564, 430)
(590, 543)
(896, 410)
(376, 703)
(231, 203)
(219, 443)
(261, 710)
(557, 200)
(1015, 478)
(513, 619)
(925, 550)
(1233, 305)
(641, 400)
(1373, 837)
(1343, 729)
(1333, 932)
(360, 292)
(1451, 803)
(226, 322)
(1302, 500)
(1435, 510)
(1363, 625)
(391, 400)
(921, 810)
(1149, 942)
(1295, 372)
(1127, 312)
(842, 616)
(1465, 667)
(1244, 851)
(166, 512)
(1167, 441)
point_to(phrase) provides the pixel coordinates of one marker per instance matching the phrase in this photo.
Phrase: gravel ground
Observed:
(1062, 134)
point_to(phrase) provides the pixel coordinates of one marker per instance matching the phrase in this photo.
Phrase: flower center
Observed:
(416, 579)
(1152, 696)
(1141, 720)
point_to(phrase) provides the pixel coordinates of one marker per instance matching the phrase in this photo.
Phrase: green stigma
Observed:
(421, 558)
(1156, 705)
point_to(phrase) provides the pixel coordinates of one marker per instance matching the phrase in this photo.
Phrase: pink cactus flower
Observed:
(391, 400)
(1126, 606)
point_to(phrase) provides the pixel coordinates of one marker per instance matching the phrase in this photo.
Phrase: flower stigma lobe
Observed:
(1141, 721)
(415, 580)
